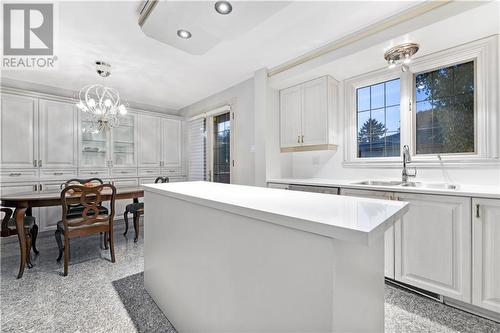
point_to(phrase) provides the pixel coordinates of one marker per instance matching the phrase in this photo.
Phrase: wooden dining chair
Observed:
(137, 209)
(30, 230)
(92, 220)
(77, 209)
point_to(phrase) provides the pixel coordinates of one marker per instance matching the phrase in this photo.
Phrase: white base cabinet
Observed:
(389, 233)
(433, 245)
(486, 254)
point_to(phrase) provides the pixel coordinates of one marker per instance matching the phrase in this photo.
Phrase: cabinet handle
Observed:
(149, 171)
(477, 210)
(302, 139)
(58, 173)
(34, 188)
(123, 172)
(94, 173)
(40, 163)
(40, 187)
(298, 138)
(34, 163)
(14, 174)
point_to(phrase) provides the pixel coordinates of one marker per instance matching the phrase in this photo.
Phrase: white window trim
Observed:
(484, 52)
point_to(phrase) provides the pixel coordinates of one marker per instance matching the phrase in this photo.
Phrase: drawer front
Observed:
(123, 172)
(6, 188)
(171, 172)
(58, 174)
(89, 173)
(146, 180)
(16, 175)
(149, 172)
(176, 179)
(124, 182)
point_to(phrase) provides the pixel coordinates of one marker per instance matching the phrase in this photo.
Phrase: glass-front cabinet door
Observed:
(123, 142)
(94, 146)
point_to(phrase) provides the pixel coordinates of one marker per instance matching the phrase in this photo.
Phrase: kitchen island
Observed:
(231, 258)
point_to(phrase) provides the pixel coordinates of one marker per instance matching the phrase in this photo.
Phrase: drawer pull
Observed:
(94, 173)
(149, 171)
(171, 170)
(123, 171)
(15, 174)
(58, 173)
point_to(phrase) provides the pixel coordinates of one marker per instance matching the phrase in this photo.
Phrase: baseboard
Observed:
(466, 307)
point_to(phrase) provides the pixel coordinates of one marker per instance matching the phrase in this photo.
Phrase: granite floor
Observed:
(99, 296)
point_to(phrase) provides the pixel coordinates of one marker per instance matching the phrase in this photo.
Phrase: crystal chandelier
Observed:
(102, 104)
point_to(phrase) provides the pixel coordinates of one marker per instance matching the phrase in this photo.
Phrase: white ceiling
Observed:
(149, 72)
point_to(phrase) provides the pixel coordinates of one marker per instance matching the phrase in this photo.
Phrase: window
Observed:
(448, 110)
(445, 110)
(378, 119)
(197, 149)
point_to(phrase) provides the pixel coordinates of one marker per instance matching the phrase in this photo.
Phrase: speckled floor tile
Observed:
(99, 296)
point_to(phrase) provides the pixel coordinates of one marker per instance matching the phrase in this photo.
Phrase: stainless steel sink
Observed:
(380, 182)
(396, 183)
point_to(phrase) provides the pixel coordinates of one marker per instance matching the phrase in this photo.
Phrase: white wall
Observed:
(241, 99)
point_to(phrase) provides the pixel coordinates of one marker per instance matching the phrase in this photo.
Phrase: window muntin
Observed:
(444, 120)
(378, 119)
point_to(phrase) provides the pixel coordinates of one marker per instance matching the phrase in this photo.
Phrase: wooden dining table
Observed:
(22, 202)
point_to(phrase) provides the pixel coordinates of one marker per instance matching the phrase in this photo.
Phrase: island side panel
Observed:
(213, 271)
(359, 287)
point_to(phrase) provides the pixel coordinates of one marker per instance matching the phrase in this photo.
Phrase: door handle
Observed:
(40, 187)
(477, 211)
(302, 139)
(298, 138)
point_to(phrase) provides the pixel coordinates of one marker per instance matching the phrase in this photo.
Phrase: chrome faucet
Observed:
(406, 160)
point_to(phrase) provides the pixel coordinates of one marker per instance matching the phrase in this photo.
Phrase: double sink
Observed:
(395, 183)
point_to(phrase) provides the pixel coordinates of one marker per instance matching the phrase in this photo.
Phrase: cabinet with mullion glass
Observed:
(123, 142)
(94, 146)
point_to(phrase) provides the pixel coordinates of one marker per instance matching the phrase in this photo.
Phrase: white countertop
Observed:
(479, 191)
(346, 218)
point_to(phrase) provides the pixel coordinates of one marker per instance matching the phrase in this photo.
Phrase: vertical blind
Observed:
(197, 149)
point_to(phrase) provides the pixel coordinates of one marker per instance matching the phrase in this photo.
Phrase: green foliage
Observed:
(450, 92)
(371, 131)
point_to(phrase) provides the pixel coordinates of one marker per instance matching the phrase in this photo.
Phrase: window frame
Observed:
(484, 53)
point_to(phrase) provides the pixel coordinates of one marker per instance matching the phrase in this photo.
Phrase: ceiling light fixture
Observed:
(102, 104)
(184, 34)
(223, 7)
(401, 55)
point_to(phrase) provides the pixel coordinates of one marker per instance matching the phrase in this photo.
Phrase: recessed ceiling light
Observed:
(223, 7)
(183, 34)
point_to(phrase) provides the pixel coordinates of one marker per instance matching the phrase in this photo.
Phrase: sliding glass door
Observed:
(221, 148)
(210, 148)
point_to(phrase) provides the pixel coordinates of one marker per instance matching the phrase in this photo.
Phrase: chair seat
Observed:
(135, 207)
(60, 224)
(77, 211)
(29, 221)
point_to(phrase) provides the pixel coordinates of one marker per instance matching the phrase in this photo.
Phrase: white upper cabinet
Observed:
(486, 254)
(433, 245)
(18, 132)
(315, 112)
(171, 156)
(58, 126)
(149, 130)
(290, 117)
(308, 115)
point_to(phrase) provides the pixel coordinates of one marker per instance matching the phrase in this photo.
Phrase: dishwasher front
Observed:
(315, 189)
